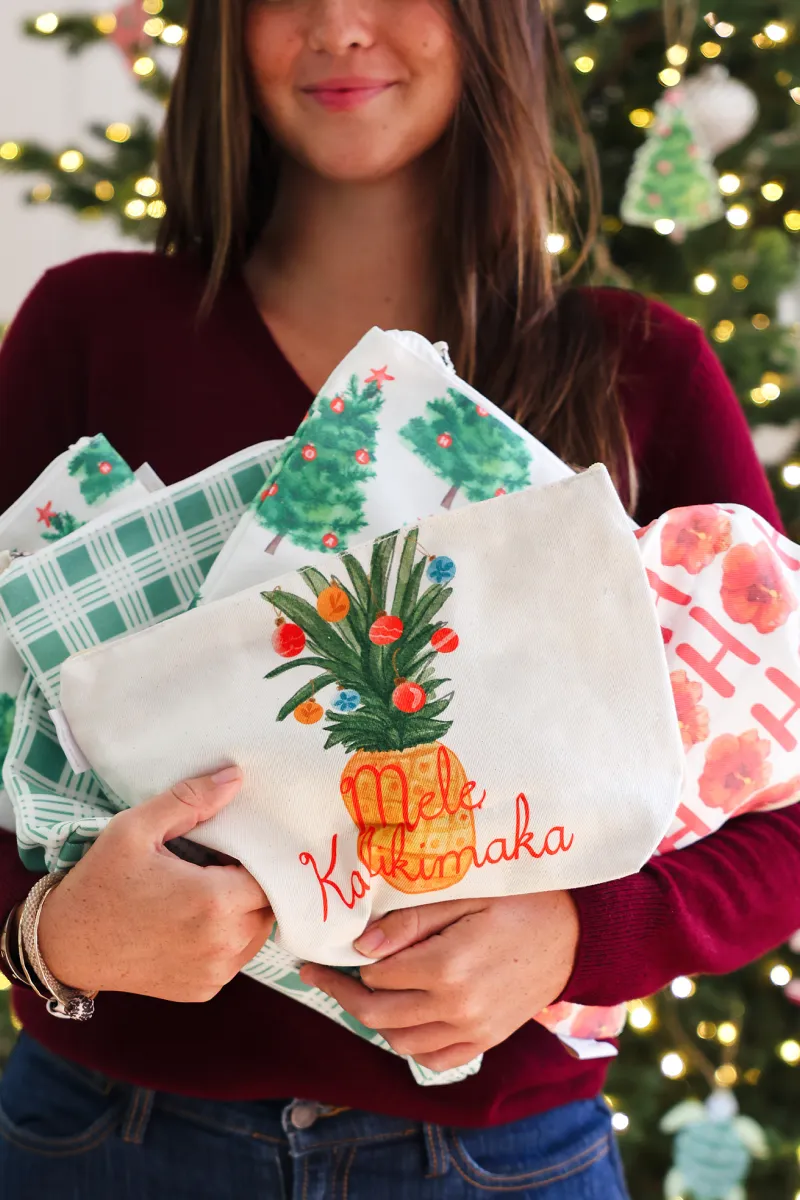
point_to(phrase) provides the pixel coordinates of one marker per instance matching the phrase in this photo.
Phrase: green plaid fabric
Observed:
(127, 570)
(59, 814)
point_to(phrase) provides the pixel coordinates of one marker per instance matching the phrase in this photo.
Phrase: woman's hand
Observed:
(132, 917)
(458, 977)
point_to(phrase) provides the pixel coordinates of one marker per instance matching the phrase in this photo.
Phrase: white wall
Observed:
(46, 95)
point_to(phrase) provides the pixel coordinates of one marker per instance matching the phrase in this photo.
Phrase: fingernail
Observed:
(226, 776)
(370, 942)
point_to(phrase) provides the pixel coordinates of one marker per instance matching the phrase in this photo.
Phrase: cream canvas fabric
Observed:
(544, 753)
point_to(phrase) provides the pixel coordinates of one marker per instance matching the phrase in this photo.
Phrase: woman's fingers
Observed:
(376, 1010)
(423, 1039)
(408, 926)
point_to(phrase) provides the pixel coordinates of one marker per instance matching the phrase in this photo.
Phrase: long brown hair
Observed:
(519, 330)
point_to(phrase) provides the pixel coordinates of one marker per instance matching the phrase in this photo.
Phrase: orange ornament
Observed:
(333, 604)
(309, 713)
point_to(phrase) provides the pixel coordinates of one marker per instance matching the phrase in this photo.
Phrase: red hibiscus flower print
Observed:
(693, 537)
(778, 796)
(692, 717)
(754, 589)
(736, 767)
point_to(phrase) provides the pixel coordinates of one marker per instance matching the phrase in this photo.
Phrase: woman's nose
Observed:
(337, 26)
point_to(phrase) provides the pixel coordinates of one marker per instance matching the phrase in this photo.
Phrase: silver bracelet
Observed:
(65, 1002)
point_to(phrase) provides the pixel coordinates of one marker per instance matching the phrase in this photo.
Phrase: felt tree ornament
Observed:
(713, 1148)
(469, 449)
(672, 178)
(405, 790)
(100, 471)
(317, 499)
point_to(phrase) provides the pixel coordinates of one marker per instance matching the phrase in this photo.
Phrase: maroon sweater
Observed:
(108, 344)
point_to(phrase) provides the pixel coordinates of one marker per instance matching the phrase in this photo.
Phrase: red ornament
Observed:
(501, 492)
(445, 641)
(444, 440)
(337, 405)
(270, 491)
(288, 640)
(385, 630)
(330, 541)
(104, 468)
(482, 412)
(409, 697)
(362, 456)
(309, 452)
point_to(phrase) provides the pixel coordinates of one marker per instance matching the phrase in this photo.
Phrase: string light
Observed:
(772, 191)
(762, 42)
(791, 475)
(70, 161)
(723, 331)
(776, 32)
(791, 220)
(740, 282)
(673, 1065)
(641, 1015)
(118, 131)
(135, 209)
(682, 987)
(153, 7)
(157, 209)
(620, 1122)
(783, 78)
(556, 243)
(670, 76)
(144, 66)
(738, 216)
(104, 190)
(4, 984)
(780, 975)
(707, 1030)
(758, 397)
(771, 387)
(761, 321)
(105, 23)
(705, 283)
(795, 94)
(677, 55)
(711, 49)
(729, 183)
(174, 35)
(726, 1075)
(41, 193)
(752, 1076)
(724, 29)
(664, 226)
(154, 27)
(10, 151)
(584, 64)
(147, 186)
(790, 1052)
(642, 118)
(46, 23)
(727, 1033)
(596, 12)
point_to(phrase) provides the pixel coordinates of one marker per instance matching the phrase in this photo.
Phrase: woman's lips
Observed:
(345, 95)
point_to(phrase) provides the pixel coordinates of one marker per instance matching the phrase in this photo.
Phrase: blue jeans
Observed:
(72, 1133)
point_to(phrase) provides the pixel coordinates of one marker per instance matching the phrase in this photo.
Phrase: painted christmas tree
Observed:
(59, 525)
(672, 178)
(469, 449)
(317, 497)
(100, 470)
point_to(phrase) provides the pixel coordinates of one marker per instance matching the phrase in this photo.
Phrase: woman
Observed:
(330, 165)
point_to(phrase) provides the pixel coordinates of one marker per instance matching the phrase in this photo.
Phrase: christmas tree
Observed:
(100, 471)
(671, 178)
(469, 449)
(59, 525)
(317, 498)
(736, 72)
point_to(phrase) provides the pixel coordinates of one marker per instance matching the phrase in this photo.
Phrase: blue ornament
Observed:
(442, 570)
(347, 701)
(713, 1148)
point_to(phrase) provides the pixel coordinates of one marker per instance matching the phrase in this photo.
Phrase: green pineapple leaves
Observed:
(345, 655)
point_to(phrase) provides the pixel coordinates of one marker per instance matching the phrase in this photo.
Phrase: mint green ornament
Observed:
(713, 1149)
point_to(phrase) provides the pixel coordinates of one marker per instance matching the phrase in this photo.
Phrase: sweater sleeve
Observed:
(42, 370)
(713, 907)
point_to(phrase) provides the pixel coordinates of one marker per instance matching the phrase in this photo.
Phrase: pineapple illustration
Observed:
(406, 792)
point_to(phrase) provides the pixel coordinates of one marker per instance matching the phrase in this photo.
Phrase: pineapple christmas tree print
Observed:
(59, 524)
(316, 499)
(469, 449)
(405, 790)
(100, 470)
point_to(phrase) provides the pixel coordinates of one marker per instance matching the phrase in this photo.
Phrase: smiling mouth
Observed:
(343, 96)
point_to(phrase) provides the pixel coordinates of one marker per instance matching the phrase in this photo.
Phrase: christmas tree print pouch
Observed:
(88, 479)
(393, 436)
(424, 718)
